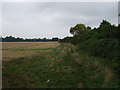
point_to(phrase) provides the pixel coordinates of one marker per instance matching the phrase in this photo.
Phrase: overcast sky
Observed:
(50, 19)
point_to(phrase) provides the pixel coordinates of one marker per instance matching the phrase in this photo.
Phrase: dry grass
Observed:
(8, 54)
(28, 45)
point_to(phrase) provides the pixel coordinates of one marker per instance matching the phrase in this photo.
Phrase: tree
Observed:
(66, 40)
(77, 29)
(104, 22)
(55, 39)
(88, 28)
(10, 39)
(44, 39)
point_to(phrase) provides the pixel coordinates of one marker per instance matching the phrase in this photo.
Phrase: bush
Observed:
(104, 48)
(66, 40)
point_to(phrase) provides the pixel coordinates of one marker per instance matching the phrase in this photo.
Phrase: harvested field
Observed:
(13, 50)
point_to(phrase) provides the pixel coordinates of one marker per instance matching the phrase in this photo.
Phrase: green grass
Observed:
(29, 49)
(64, 67)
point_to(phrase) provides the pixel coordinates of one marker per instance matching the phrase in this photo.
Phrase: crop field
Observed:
(53, 65)
(13, 50)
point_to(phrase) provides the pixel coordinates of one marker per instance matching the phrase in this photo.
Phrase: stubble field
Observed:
(13, 50)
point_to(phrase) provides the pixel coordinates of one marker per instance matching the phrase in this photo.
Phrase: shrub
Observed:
(104, 48)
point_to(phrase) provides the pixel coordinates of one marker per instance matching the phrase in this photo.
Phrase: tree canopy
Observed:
(98, 41)
(77, 29)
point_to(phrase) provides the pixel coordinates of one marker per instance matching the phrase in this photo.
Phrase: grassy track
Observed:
(63, 67)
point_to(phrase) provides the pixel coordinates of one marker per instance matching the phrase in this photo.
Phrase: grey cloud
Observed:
(119, 12)
(38, 19)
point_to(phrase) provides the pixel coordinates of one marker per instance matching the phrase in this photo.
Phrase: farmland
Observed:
(53, 65)
(13, 50)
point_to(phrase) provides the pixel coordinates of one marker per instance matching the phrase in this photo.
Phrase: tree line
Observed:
(14, 39)
(101, 42)
(81, 32)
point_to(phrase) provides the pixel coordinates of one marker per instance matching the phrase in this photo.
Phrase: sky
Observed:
(119, 12)
(53, 19)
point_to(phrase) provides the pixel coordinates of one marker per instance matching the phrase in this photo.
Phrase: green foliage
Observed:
(77, 29)
(105, 48)
(101, 42)
(88, 28)
(66, 40)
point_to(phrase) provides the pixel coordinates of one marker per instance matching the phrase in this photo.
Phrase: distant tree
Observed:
(13, 39)
(10, 39)
(1, 39)
(77, 29)
(55, 39)
(44, 39)
(19, 39)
